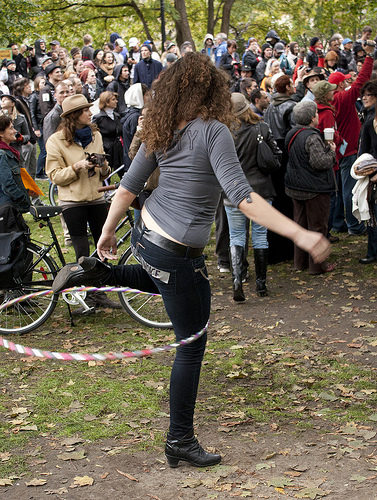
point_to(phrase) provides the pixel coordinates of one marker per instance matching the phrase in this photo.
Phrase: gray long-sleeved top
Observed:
(201, 163)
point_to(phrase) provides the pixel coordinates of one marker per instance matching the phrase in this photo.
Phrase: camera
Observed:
(96, 159)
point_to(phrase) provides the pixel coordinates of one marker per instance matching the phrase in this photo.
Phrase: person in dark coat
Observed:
(230, 61)
(120, 85)
(108, 122)
(147, 69)
(309, 179)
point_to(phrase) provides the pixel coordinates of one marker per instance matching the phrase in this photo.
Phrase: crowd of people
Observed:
(270, 135)
(273, 77)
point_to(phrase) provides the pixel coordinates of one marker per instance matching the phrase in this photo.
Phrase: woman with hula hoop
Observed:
(186, 135)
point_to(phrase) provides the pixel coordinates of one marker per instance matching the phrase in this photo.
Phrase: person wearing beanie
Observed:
(309, 180)
(272, 37)
(75, 53)
(13, 74)
(46, 96)
(266, 54)
(147, 69)
(314, 52)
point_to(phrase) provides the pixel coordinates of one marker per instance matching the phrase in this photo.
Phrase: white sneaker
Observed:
(223, 269)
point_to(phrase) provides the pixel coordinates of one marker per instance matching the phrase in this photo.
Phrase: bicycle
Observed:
(23, 317)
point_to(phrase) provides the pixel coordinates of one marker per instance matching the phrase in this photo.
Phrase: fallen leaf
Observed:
(279, 482)
(358, 478)
(76, 455)
(36, 482)
(83, 481)
(5, 482)
(311, 493)
(60, 491)
(191, 482)
(71, 441)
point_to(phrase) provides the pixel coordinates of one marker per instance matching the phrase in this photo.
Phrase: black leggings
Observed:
(77, 219)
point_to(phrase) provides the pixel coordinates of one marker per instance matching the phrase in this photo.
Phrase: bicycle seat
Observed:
(45, 212)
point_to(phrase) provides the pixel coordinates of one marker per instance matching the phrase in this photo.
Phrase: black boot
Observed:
(189, 450)
(260, 260)
(236, 254)
(88, 272)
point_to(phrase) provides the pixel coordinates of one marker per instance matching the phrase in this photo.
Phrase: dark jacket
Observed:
(12, 76)
(226, 63)
(35, 110)
(368, 139)
(11, 185)
(111, 131)
(87, 53)
(37, 60)
(279, 115)
(129, 128)
(51, 122)
(22, 106)
(147, 71)
(120, 88)
(21, 65)
(245, 140)
(98, 90)
(312, 58)
(250, 59)
(47, 98)
(260, 69)
(308, 172)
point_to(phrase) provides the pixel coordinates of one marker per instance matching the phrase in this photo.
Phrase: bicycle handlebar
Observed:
(111, 187)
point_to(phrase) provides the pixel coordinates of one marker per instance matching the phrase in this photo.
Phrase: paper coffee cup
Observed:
(329, 134)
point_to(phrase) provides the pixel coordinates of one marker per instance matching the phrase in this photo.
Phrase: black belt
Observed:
(166, 244)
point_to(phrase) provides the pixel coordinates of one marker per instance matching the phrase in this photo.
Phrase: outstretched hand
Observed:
(315, 244)
(107, 247)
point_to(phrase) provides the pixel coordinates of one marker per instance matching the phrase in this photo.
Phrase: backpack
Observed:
(14, 237)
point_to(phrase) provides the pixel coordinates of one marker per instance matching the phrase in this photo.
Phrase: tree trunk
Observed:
(211, 18)
(226, 16)
(182, 24)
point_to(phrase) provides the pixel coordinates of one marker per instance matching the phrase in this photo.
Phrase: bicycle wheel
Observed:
(147, 309)
(25, 316)
(53, 195)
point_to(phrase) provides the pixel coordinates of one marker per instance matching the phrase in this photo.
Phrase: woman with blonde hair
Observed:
(108, 123)
(186, 134)
(246, 129)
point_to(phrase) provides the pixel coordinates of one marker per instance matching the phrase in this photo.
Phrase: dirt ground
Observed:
(260, 461)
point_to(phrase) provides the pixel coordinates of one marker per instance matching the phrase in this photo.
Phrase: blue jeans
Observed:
(187, 298)
(336, 218)
(239, 225)
(354, 226)
(42, 155)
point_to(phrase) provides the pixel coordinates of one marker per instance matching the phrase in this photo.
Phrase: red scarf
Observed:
(4, 145)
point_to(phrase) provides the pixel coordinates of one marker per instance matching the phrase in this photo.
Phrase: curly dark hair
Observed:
(191, 87)
(69, 125)
(370, 87)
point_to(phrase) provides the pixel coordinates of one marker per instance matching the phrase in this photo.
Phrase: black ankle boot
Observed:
(189, 450)
(87, 272)
(260, 260)
(236, 257)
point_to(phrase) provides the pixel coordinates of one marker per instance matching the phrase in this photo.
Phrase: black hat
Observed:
(50, 68)
(313, 41)
(245, 67)
(10, 61)
(357, 48)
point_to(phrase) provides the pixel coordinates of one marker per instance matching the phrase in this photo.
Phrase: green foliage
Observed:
(69, 20)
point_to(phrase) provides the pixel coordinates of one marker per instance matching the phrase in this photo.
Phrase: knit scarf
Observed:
(4, 145)
(83, 136)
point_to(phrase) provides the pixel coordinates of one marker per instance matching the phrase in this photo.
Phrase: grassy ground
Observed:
(257, 368)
